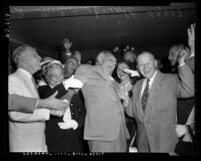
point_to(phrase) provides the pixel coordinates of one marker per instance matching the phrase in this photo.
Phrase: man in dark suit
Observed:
(105, 126)
(154, 103)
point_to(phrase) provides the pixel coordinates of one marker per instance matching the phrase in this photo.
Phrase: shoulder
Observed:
(85, 69)
(16, 76)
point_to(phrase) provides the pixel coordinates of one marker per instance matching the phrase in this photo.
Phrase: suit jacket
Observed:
(159, 119)
(105, 112)
(26, 131)
(21, 103)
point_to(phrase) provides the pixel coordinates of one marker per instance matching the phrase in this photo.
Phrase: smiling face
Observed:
(70, 66)
(108, 63)
(55, 75)
(122, 75)
(147, 64)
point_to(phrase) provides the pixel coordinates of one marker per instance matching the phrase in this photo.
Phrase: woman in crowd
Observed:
(125, 81)
(61, 138)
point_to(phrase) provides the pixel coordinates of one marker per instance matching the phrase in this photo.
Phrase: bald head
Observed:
(147, 64)
(107, 61)
(26, 57)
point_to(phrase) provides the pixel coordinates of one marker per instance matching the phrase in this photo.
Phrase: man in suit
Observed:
(28, 104)
(26, 131)
(185, 107)
(105, 127)
(153, 104)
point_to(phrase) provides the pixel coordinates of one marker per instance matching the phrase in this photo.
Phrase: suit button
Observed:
(71, 104)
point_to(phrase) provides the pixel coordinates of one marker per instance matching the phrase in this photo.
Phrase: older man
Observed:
(26, 131)
(71, 65)
(105, 122)
(153, 104)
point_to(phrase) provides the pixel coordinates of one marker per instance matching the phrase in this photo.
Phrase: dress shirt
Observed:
(150, 83)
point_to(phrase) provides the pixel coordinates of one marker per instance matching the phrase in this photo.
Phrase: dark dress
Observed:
(64, 140)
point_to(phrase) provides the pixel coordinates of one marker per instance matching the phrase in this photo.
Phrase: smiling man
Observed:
(154, 101)
(105, 127)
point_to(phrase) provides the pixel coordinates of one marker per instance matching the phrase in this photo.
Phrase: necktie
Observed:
(34, 83)
(145, 96)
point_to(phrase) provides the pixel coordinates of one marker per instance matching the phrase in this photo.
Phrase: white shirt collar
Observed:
(152, 79)
(25, 72)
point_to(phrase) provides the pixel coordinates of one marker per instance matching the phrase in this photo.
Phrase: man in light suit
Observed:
(26, 131)
(28, 104)
(156, 123)
(105, 127)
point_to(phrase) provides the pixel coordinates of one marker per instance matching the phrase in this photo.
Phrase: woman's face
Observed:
(122, 75)
(55, 75)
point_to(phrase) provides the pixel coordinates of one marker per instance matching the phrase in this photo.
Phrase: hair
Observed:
(18, 51)
(179, 45)
(101, 55)
(146, 52)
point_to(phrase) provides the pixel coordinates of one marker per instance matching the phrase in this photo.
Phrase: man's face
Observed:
(108, 63)
(32, 59)
(173, 55)
(147, 65)
(70, 66)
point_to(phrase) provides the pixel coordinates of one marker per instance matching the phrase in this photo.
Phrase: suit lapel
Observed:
(139, 105)
(28, 82)
(113, 84)
(154, 89)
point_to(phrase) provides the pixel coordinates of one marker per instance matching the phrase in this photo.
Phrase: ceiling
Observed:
(100, 27)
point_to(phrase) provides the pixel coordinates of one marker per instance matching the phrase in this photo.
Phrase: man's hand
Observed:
(182, 55)
(180, 130)
(191, 37)
(67, 44)
(57, 113)
(53, 103)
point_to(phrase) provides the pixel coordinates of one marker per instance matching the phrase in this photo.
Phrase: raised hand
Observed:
(182, 55)
(67, 44)
(191, 36)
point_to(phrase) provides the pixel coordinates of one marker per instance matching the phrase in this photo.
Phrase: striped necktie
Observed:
(145, 96)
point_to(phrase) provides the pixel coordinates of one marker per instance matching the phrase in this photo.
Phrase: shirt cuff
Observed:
(181, 64)
(46, 113)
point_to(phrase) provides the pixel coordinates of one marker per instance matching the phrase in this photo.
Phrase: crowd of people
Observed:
(100, 105)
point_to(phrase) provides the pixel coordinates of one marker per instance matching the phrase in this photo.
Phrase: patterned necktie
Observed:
(145, 96)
